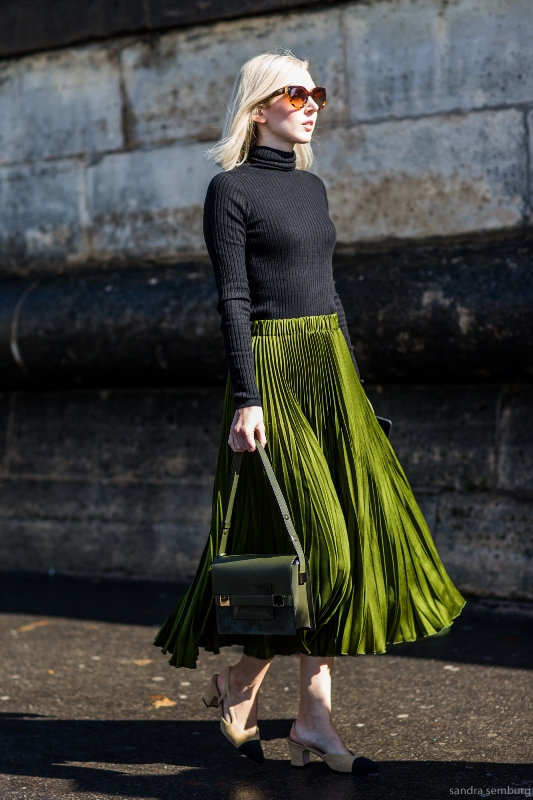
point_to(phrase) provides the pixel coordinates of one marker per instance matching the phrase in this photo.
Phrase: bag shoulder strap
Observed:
(278, 494)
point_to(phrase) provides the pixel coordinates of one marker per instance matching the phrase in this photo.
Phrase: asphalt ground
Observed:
(82, 717)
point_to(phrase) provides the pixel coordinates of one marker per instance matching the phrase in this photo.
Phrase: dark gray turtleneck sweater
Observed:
(270, 238)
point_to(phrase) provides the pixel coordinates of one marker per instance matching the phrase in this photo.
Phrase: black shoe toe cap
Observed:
(362, 765)
(253, 751)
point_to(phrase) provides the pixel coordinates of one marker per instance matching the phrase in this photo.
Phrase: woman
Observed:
(293, 383)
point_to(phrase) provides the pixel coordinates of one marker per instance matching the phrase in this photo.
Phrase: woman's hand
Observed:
(247, 425)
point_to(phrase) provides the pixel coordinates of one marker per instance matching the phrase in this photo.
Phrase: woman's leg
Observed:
(245, 681)
(314, 724)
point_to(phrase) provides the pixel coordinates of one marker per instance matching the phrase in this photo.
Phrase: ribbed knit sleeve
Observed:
(224, 225)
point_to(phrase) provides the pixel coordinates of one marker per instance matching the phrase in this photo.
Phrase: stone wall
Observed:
(426, 134)
(120, 482)
(425, 142)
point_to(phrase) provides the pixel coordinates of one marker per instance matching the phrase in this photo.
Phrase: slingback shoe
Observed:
(211, 697)
(339, 762)
(248, 744)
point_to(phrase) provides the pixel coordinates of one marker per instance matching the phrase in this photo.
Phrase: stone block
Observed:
(437, 176)
(62, 103)
(41, 214)
(486, 543)
(149, 202)
(72, 101)
(407, 60)
(444, 436)
(178, 86)
(117, 327)
(146, 530)
(530, 150)
(515, 452)
(39, 25)
(428, 503)
(169, 14)
(147, 435)
(12, 127)
(441, 314)
(4, 423)
(417, 315)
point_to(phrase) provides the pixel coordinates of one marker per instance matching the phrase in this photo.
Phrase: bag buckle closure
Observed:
(224, 600)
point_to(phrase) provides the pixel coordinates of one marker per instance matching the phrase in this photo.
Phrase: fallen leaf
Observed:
(51, 672)
(31, 625)
(161, 701)
(142, 662)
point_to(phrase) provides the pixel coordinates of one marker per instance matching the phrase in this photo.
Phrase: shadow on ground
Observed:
(485, 633)
(95, 757)
(128, 602)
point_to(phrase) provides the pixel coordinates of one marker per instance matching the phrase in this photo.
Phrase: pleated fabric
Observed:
(376, 574)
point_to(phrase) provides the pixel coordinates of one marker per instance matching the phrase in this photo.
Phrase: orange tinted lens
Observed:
(319, 96)
(297, 96)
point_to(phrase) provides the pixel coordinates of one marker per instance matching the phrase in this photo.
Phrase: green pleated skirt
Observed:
(376, 574)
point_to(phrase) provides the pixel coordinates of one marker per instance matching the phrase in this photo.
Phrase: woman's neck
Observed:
(272, 158)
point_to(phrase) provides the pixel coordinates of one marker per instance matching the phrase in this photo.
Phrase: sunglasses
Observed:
(299, 95)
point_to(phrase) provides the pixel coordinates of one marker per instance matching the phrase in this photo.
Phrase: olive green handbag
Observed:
(261, 594)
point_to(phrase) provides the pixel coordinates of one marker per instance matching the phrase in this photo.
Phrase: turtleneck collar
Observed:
(270, 158)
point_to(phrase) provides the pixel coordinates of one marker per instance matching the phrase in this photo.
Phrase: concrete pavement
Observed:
(446, 716)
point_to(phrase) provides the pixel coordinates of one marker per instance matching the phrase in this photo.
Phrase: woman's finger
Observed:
(232, 441)
(247, 438)
(260, 433)
(237, 443)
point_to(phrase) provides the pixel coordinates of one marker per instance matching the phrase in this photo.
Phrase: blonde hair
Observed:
(257, 78)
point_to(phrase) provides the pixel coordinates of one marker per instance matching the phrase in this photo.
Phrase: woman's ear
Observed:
(258, 115)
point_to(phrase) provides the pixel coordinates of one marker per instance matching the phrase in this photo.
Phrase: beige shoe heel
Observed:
(300, 757)
(211, 698)
(338, 762)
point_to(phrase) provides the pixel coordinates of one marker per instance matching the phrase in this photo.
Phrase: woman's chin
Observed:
(303, 137)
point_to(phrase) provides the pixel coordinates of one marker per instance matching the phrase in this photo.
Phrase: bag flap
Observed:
(274, 570)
